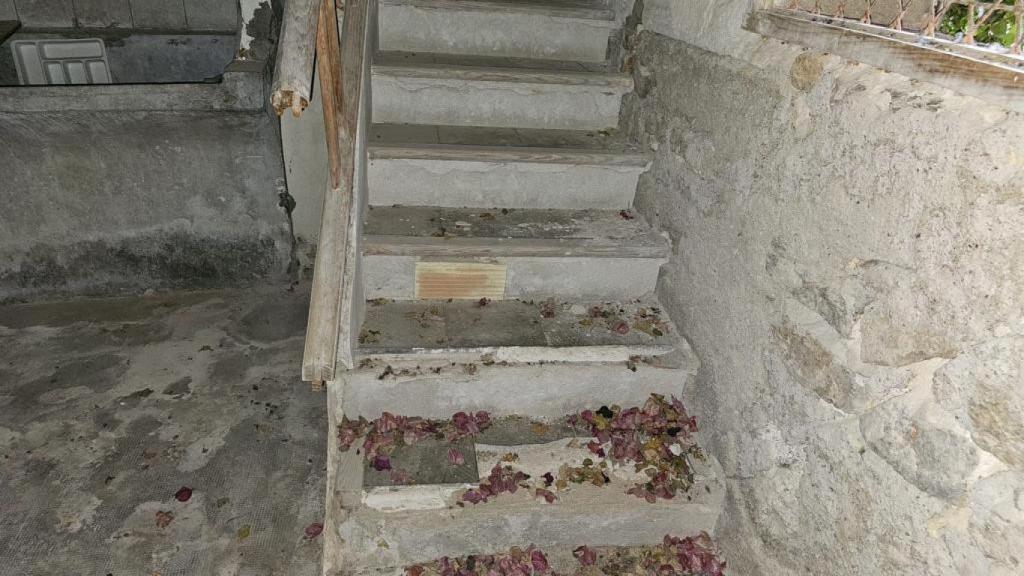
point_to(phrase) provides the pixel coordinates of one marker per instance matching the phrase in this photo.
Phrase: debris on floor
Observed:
(164, 434)
(657, 441)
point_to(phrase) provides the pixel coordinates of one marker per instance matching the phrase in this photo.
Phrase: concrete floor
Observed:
(108, 407)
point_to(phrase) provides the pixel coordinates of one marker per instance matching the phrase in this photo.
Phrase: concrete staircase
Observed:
(499, 218)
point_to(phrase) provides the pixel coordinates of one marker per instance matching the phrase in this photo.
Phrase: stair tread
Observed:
(426, 462)
(498, 69)
(420, 134)
(534, 458)
(422, 523)
(399, 141)
(462, 232)
(580, 9)
(406, 326)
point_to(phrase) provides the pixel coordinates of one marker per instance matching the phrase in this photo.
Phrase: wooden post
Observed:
(341, 68)
(293, 74)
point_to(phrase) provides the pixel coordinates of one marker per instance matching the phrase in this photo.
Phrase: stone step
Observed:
(469, 91)
(561, 169)
(498, 28)
(386, 528)
(432, 359)
(424, 252)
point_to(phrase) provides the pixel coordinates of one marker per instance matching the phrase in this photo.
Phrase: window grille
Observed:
(995, 25)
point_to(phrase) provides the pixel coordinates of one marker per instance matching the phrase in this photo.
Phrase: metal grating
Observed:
(998, 26)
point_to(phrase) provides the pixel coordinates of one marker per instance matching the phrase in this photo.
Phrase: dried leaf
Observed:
(164, 518)
(586, 555)
(548, 495)
(620, 327)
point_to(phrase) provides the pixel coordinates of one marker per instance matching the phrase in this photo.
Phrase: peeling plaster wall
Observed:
(849, 264)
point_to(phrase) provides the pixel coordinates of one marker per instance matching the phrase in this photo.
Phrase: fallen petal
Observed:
(455, 457)
(164, 518)
(586, 555)
(314, 530)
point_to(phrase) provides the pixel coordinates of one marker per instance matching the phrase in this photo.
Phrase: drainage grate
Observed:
(78, 61)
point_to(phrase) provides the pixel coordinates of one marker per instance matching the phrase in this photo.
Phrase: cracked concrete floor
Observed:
(108, 407)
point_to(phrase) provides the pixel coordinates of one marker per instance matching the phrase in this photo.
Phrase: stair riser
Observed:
(474, 102)
(544, 392)
(425, 182)
(492, 33)
(418, 538)
(581, 278)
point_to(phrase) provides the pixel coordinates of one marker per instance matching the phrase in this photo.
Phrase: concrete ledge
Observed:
(543, 391)
(240, 90)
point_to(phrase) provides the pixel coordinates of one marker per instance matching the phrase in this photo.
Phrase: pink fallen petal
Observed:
(538, 561)
(455, 457)
(314, 530)
(183, 494)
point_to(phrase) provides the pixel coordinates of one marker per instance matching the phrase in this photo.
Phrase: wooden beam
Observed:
(293, 71)
(342, 68)
(992, 78)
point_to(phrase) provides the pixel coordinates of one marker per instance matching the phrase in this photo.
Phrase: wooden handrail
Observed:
(343, 68)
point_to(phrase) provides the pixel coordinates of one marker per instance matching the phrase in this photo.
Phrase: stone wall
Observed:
(849, 264)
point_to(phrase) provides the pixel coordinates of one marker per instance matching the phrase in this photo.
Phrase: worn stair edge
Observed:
(478, 184)
(502, 176)
(487, 247)
(561, 385)
(619, 82)
(435, 232)
(509, 29)
(445, 93)
(534, 460)
(508, 154)
(513, 7)
(376, 541)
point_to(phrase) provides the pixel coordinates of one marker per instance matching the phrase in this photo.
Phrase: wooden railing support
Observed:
(343, 69)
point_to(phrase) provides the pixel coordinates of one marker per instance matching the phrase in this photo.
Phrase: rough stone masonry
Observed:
(848, 262)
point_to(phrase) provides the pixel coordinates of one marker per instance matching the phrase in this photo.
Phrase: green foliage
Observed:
(999, 29)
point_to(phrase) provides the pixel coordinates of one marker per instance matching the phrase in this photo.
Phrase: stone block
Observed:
(997, 521)
(983, 387)
(933, 458)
